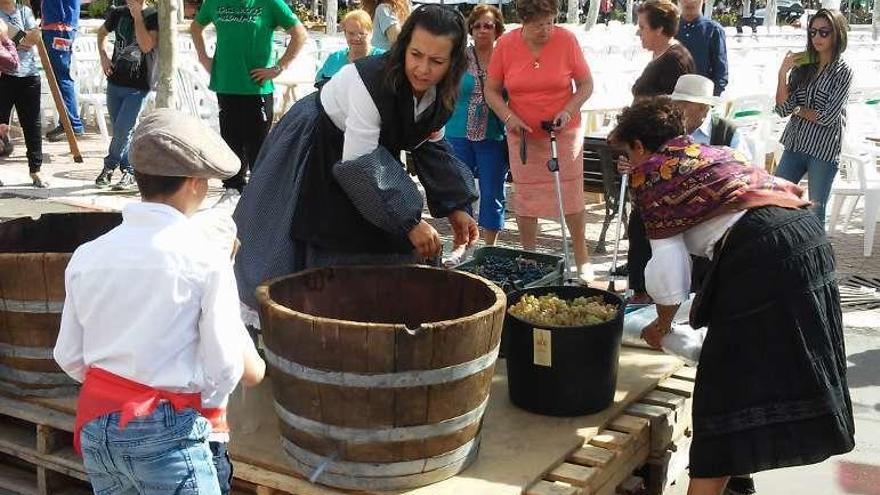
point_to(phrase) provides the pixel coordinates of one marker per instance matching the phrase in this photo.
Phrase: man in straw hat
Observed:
(151, 325)
(693, 95)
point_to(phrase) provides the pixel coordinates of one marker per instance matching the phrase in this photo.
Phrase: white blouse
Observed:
(351, 108)
(668, 274)
(154, 301)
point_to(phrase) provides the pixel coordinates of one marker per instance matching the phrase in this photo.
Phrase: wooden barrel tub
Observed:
(380, 375)
(33, 256)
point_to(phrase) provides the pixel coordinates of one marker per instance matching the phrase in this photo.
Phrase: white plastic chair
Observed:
(91, 87)
(858, 178)
(749, 106)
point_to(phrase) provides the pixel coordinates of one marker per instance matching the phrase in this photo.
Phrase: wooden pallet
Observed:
(646, 432)
(36, 443)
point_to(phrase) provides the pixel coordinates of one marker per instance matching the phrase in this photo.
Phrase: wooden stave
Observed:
(485, 324)
(32, 295)
(382, 483)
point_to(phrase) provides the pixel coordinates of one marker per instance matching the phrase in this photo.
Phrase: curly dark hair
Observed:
(661, 13)
(530, 10)
(438, 20)
(652, 121)
(483, 9)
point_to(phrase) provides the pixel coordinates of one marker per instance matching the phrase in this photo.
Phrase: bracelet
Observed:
(508, 117)
(277, 68)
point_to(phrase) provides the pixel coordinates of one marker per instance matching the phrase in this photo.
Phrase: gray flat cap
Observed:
(173, 144)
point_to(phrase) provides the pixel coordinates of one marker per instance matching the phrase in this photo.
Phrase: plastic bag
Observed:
(684, 341)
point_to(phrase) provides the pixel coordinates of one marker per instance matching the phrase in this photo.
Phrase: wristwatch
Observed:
(20, 35)
(796, 111)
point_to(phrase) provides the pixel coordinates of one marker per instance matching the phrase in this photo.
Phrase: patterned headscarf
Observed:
(685, 183)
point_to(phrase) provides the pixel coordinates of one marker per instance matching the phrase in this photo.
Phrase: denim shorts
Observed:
(164, 452)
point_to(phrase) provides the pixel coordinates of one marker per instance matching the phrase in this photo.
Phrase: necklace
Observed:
(536, 64)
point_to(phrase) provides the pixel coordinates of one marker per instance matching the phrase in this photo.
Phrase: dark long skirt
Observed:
(771, 385)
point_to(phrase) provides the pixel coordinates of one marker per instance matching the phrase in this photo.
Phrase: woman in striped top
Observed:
(815, 95)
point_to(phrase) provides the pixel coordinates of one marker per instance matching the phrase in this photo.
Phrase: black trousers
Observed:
(23, 93)
(639, 251)
(245, 121)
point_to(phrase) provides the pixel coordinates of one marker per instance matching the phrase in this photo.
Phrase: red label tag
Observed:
(61, 44)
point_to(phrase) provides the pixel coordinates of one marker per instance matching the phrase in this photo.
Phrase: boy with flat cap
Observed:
(151, 324)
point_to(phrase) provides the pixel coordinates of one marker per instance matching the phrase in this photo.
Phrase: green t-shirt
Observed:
(244, 41)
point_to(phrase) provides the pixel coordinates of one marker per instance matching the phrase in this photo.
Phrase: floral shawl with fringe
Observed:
(686, 183)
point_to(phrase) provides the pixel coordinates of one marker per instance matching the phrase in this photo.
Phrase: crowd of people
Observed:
(470, 104)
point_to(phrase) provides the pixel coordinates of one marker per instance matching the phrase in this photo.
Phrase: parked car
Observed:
(787, 11)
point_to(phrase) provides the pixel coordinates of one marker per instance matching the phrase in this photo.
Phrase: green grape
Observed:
(551, 310)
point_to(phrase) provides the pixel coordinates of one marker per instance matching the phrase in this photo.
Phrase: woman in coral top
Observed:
(546, 77)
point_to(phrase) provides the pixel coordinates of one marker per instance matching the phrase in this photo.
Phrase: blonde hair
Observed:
(401, 8)
(360, 17)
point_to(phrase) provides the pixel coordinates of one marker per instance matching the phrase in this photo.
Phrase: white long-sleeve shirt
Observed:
(668, 273)
(351, 108)
(154, 301)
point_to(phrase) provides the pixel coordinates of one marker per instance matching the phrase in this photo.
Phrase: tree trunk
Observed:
(330, 17)
(574, 10)
(875, 24)
(165, 92)
(630, 15)
(592, 14)
(770, 14)
(709, 8)
(181, 11)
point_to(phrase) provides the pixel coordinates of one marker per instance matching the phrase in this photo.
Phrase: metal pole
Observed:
(553, 166)
(620, 204)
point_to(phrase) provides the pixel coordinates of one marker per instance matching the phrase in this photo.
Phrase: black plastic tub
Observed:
(562, 371)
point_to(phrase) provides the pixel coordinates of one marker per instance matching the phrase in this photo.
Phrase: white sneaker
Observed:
(585, 273)
(229, 198)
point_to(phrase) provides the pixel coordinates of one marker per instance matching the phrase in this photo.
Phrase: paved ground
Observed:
(72, 189)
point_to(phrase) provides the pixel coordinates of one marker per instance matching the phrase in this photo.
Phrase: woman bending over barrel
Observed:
(771, 386)
(329, 187)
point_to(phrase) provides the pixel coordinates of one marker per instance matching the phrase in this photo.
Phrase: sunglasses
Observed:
(821, 32)
(483, 25)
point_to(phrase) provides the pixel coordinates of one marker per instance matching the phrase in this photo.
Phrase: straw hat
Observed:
(695, 88)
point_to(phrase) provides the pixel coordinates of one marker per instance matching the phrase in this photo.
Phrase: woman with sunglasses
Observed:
(539, 65)
(813, 88)
(474, 131)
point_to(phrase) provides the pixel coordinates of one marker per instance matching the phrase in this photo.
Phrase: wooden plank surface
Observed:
(551, 488)
(517, 449)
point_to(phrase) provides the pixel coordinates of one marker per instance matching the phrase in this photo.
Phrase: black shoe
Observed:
(621, 271)
(104, 178)
(126, 182)
(740, 485)
(57, 134)
(6, 146)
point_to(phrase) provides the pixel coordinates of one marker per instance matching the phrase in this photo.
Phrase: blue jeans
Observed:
(164, 452)
(124, 105)
(794, 165)
(60, 51)
(223, 466)
(487, 159)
